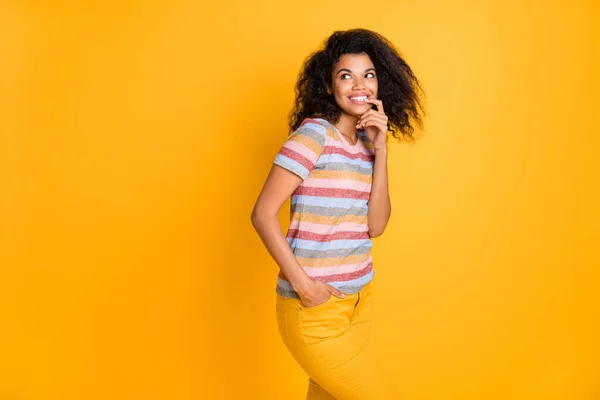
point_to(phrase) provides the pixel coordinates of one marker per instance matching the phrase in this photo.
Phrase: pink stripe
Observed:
(327, 192)
(323, 229)
(338, 269)
(337, 183)
(341, 235)
(340, 277)
(299, 158)
(348, 276)
(301, 149)
(353, 227)
(312, 227)
(331, 142)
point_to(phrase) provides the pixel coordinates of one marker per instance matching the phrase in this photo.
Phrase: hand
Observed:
(375, 123)
(319, 293)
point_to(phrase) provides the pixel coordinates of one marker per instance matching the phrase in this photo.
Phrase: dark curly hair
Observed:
(398, 88)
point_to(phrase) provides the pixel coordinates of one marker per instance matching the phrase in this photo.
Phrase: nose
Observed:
(359, 83)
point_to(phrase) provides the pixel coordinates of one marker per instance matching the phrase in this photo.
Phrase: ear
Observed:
(328, 89)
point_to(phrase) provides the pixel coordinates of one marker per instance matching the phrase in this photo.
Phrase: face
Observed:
(352, 80)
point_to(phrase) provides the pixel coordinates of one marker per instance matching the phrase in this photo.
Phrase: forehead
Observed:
(359, 62)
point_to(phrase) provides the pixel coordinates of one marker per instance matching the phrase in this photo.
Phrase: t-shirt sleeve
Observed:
(303, 147)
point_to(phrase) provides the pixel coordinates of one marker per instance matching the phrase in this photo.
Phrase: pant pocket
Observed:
(282, 325)
(327, 321)
(318, 306)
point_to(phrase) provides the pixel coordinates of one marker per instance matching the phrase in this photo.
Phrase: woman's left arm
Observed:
(375, 123)
(380, 207)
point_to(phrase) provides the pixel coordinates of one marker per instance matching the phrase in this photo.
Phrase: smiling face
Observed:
(352, 80)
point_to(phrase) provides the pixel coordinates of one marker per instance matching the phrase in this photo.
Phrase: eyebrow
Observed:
(347, 70)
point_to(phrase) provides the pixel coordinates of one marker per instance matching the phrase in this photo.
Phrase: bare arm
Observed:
(375, 123)
(380, 207)
(279, 186)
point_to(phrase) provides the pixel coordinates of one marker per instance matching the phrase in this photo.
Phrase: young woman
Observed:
(334, 167)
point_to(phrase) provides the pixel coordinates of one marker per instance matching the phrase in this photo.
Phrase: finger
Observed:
(379, 124)
(374, 114)
(378, 103)
(378, 117)
(336, 292)
(372, 111)
(374, 122)
(369, 119)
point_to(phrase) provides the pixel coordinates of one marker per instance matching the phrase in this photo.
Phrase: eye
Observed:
(372, 75)
(343, 75)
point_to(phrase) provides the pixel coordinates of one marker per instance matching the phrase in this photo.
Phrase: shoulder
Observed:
(319, 124)
(315, 128)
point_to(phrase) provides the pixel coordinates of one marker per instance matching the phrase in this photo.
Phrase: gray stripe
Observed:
(287, 293)
(351, 289)
(330, 211)
(346, 167)
(292, 294)
(316, 136)
(331, 253)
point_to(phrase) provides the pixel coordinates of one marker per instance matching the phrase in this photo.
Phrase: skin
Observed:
(351, 75)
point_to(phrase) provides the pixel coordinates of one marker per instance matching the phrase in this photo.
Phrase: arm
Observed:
(380, 207)
(375, 123)
(279, 186)
(293, 163)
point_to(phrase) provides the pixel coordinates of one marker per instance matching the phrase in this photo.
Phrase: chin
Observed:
(355, 109)
(352, 113)
(359, 110)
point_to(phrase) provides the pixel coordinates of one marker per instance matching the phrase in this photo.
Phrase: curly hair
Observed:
(398, 88)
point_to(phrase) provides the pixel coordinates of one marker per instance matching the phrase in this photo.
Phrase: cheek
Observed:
(373, 86)
(341, 89)
(339, 96)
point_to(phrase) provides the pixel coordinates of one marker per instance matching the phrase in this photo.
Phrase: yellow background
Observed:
(136, 135)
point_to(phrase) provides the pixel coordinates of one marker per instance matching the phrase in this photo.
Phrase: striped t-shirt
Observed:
(328, 230)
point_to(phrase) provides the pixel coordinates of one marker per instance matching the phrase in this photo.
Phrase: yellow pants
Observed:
(330, 343)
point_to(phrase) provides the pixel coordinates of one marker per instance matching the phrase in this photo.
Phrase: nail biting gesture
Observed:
(375, 123)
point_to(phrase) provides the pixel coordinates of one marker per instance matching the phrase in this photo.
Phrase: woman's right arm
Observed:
(279, 186)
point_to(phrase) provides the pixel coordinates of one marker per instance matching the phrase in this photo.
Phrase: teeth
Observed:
(359, 98)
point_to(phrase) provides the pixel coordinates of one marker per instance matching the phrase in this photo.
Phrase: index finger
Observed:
(336, 292)
(378, 103)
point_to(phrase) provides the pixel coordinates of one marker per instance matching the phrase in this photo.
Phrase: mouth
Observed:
(358, 99)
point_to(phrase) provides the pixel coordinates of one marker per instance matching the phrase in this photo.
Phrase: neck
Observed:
(347, 125)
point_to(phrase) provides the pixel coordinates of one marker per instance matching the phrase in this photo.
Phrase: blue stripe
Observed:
(332, 245)
(354, 282)
(328, 201)
(339, 158)
(291, 165)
